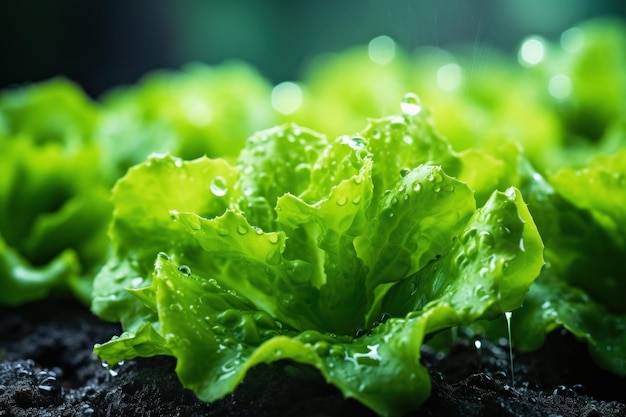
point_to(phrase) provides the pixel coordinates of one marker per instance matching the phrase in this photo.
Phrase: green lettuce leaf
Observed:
(167, 186)
(487, 270)
(606, 176)
(552, 304)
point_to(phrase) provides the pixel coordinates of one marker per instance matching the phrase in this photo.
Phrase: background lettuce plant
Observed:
(54, 198)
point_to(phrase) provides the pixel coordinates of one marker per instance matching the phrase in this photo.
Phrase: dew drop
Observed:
(163, 256)
(404, 172)
(185, 270)
(411, 104)
(417, 187)
(242, 230)
(360, 332)
(357, 142)
(322, 348)
(485, 239)
(88, 411)
(341, 201)
(273, 238)
(384, 317)
(218, 186)
(396, 122)
(356, 200)
(483, 272)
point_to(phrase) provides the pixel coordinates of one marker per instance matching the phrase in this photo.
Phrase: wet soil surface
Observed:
(47, 368)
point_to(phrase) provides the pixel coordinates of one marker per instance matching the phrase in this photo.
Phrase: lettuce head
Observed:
(343, 255)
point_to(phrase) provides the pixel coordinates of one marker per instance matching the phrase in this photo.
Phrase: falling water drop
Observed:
(478, 345)
(507, 316)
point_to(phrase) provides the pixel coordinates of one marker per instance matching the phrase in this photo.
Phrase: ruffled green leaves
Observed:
(415, 222)
(291, 252)
(580, 215)
(600, 187)
(54, 207)
(487, 270)
(552, 304)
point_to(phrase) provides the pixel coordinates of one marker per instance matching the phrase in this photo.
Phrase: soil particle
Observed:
(47, 368)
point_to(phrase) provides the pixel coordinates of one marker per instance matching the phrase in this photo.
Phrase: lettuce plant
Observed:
(197, 110)
(54, 198)
(342, 255)
(581, 215)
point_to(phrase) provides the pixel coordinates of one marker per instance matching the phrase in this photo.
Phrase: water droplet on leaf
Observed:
(357, 142)
(185, 270)
(218, 186)
(411, 104)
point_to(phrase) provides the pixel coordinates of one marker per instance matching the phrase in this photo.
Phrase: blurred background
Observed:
(104, 44)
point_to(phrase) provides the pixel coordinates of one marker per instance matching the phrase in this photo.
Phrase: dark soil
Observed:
(47, 368)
